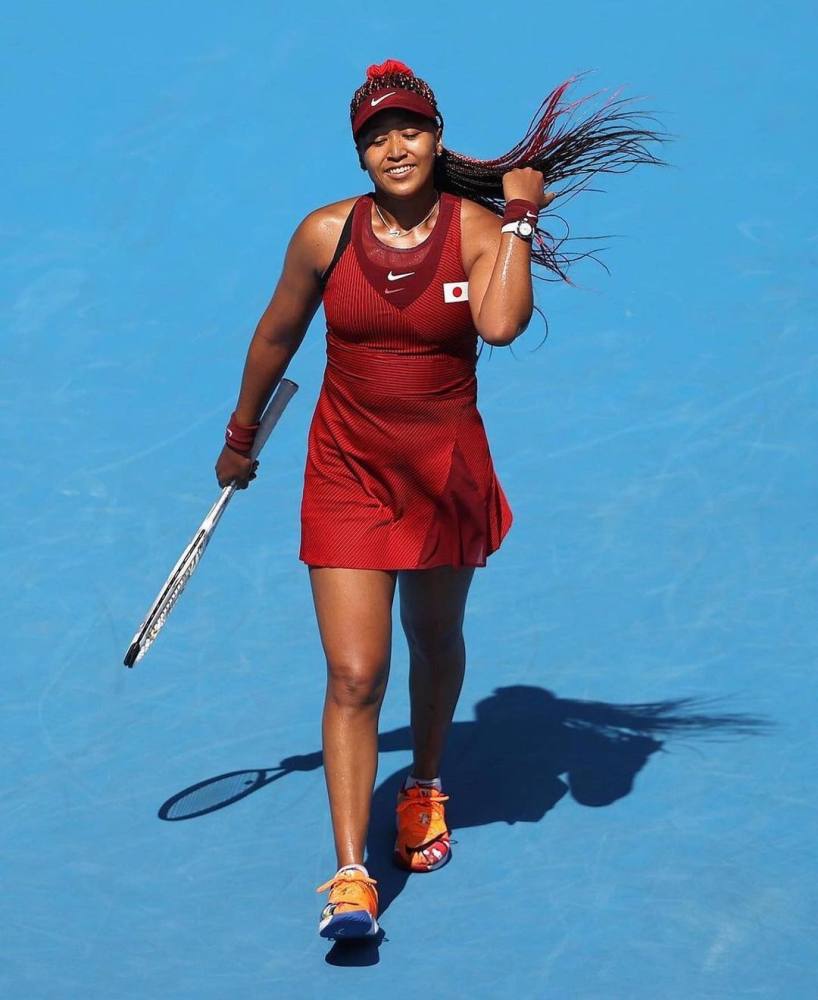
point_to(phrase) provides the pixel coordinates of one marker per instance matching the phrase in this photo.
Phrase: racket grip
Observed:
(285, 390)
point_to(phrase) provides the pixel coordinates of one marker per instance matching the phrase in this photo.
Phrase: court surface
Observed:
(633, 759)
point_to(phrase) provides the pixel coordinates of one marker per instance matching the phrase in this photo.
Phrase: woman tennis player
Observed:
(399, 485)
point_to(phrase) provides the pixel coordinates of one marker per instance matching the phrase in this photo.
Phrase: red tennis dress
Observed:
(398, 472)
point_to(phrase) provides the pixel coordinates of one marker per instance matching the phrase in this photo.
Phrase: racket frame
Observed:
(182, 571)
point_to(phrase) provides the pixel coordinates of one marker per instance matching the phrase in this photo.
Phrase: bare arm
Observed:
(499, 264)
(283, 323)
(282, 326)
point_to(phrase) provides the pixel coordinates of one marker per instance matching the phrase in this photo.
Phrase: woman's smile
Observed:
(400, 171)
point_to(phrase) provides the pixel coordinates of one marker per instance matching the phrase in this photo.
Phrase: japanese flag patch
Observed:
(455, 291)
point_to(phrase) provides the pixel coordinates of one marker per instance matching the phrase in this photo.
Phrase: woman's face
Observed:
(397, 149)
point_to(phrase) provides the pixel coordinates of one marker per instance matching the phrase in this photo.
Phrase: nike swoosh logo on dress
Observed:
(389, 291)
(397, 277)
(377, 100)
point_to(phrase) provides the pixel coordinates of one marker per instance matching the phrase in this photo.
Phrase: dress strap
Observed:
(346, 235)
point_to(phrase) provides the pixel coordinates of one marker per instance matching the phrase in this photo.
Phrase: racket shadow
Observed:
(522, 753)
(226, 789)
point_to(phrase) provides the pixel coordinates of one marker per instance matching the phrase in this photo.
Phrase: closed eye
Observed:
(381, 139)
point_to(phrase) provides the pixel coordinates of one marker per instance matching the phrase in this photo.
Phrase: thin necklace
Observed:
(405, 232)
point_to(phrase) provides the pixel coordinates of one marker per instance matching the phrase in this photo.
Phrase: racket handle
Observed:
(285, 391)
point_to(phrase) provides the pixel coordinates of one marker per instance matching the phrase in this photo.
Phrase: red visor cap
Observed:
(388, 98)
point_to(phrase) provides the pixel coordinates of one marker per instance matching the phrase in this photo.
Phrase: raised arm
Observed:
(498, 265)
(282, 327)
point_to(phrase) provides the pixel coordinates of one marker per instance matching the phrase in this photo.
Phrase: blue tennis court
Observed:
(632, 760)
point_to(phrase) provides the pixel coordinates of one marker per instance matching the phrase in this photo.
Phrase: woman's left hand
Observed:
(527, 183)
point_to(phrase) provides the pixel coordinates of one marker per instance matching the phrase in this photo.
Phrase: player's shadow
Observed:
(524, 750)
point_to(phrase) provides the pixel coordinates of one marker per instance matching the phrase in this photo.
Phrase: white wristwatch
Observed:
(521, 228)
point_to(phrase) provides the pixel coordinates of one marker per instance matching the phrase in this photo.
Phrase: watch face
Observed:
(525, 228)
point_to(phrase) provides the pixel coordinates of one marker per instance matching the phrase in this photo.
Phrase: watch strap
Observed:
(514, 227)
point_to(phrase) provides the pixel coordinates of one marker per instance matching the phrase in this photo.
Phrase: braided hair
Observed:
(610, 140)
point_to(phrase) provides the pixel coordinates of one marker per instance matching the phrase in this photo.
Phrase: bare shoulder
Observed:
(480, 231)
(322, 227)
(313, 243)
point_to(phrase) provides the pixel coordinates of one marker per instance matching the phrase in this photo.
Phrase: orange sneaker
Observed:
(424, 840)
(352, 909)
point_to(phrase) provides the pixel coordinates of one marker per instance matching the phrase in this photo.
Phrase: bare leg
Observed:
(354, 611)
(432, 605)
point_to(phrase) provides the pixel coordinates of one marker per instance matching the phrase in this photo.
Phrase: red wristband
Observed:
(519, 208)
(238, 436)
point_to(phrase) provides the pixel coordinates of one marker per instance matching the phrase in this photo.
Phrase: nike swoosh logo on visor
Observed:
(397, 277)
(377, 100)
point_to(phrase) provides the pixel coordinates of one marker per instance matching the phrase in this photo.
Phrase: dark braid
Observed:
(608, 141)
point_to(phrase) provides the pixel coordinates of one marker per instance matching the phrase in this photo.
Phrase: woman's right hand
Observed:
(235, 468)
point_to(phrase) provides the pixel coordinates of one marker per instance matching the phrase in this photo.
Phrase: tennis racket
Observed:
(189, 560)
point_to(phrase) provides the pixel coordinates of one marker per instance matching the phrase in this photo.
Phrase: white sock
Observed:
(411, 781)
(345, 868)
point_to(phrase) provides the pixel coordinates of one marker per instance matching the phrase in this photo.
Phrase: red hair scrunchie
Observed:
(375, 71)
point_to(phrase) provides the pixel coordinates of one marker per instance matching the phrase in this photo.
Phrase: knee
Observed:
(432, 636)
(353, 684)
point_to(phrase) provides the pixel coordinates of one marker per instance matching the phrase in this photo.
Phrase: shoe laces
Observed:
(351, 887)
(420, 810)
